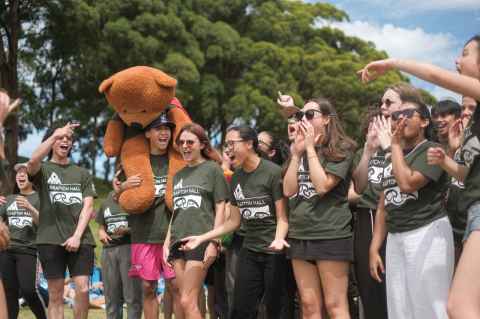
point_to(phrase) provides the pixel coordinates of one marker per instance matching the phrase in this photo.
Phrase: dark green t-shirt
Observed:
(409, 211)
(23, 231)
(62, 189)
(326, 217)
(458, 217)
(470, 151)
(196, 190)
(255, 194)
(113, 218)
(369, 197)
(151, 226)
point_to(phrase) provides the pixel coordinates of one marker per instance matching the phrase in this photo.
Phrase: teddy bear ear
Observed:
(105, 85)
(165, 81)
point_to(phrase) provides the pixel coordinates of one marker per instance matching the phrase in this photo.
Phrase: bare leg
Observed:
(309, 288)
(55, 298)
(80, 309)
(464, 299)
(334, 279)
(150, 303)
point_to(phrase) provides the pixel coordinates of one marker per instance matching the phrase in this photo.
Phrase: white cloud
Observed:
(409, 6)
(437, 48)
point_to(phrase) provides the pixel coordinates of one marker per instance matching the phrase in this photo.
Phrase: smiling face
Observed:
(22, 181)
(443, 122)
(468, 62)
(190, 147)
(159, 138)
(62, 147)
(237, 148)
(391, 102)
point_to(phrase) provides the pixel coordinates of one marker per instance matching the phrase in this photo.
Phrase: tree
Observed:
(230, 57)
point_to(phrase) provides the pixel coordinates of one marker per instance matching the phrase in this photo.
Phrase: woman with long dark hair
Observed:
(318, 178)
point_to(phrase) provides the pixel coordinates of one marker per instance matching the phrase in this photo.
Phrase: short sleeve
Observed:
(220, 187)
(3, 210)
(340, 169)
(88, 187)
(233, 183)
(38, 177)
(277, 186)
(432, 172)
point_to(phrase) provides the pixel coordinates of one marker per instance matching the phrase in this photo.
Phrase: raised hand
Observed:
(398, 134)
(383, 128)
(285, 100)
(375, 69)
(67, 130)
(298, 146)
(7, 106)
(436, 156)
(455, 134)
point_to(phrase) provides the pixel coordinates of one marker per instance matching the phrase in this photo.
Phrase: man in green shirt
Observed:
(149, 229)
(64, 239)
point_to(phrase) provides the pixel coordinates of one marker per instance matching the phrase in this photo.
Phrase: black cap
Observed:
(159, 121)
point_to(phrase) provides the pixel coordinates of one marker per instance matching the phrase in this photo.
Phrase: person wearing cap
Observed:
(64, 239)
(149, 229)
(18, 263)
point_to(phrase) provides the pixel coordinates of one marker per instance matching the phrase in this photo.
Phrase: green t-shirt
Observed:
(255, 194)
(196, 190)
(113, 217)
(62, 189)
(458, 217)
(470, 151)
(369, 197)
(326, 217)
(151, 226)
(409, 211)
(23, 231)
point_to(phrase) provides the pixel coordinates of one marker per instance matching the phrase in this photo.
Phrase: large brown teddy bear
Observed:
(139, 95)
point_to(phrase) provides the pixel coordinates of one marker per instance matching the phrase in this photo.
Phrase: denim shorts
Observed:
(473, 220)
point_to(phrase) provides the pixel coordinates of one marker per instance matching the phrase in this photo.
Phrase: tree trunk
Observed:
(10, 31)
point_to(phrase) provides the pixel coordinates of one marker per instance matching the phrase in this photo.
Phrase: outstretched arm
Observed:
(458, 83)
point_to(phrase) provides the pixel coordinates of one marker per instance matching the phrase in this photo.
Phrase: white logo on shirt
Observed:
(107, 212)
(393, 195)
(67, 194)
(54, 179)
(18, 217)
(238, 192)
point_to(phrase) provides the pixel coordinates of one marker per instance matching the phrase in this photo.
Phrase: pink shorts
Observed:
(148, 263)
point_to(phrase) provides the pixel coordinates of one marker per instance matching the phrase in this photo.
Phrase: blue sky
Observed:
(426, 30)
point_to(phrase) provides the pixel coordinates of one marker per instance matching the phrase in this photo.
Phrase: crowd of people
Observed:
(274, 228)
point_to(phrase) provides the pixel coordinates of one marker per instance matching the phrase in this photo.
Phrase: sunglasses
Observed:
(408, 113)
(183, 142)
(309, 114)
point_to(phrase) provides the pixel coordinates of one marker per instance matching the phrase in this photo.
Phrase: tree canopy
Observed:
(231, 57)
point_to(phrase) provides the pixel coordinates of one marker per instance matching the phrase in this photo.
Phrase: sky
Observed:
(425, 30)
(431, 31)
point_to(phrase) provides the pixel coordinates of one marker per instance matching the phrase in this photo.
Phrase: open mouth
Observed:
(64, 147)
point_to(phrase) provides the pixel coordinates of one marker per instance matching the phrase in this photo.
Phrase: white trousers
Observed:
(419, 270)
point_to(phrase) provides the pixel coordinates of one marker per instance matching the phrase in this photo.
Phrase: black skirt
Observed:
(321, 249)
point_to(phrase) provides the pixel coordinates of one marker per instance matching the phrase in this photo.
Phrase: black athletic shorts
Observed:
(197, 254)
(55, 260)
